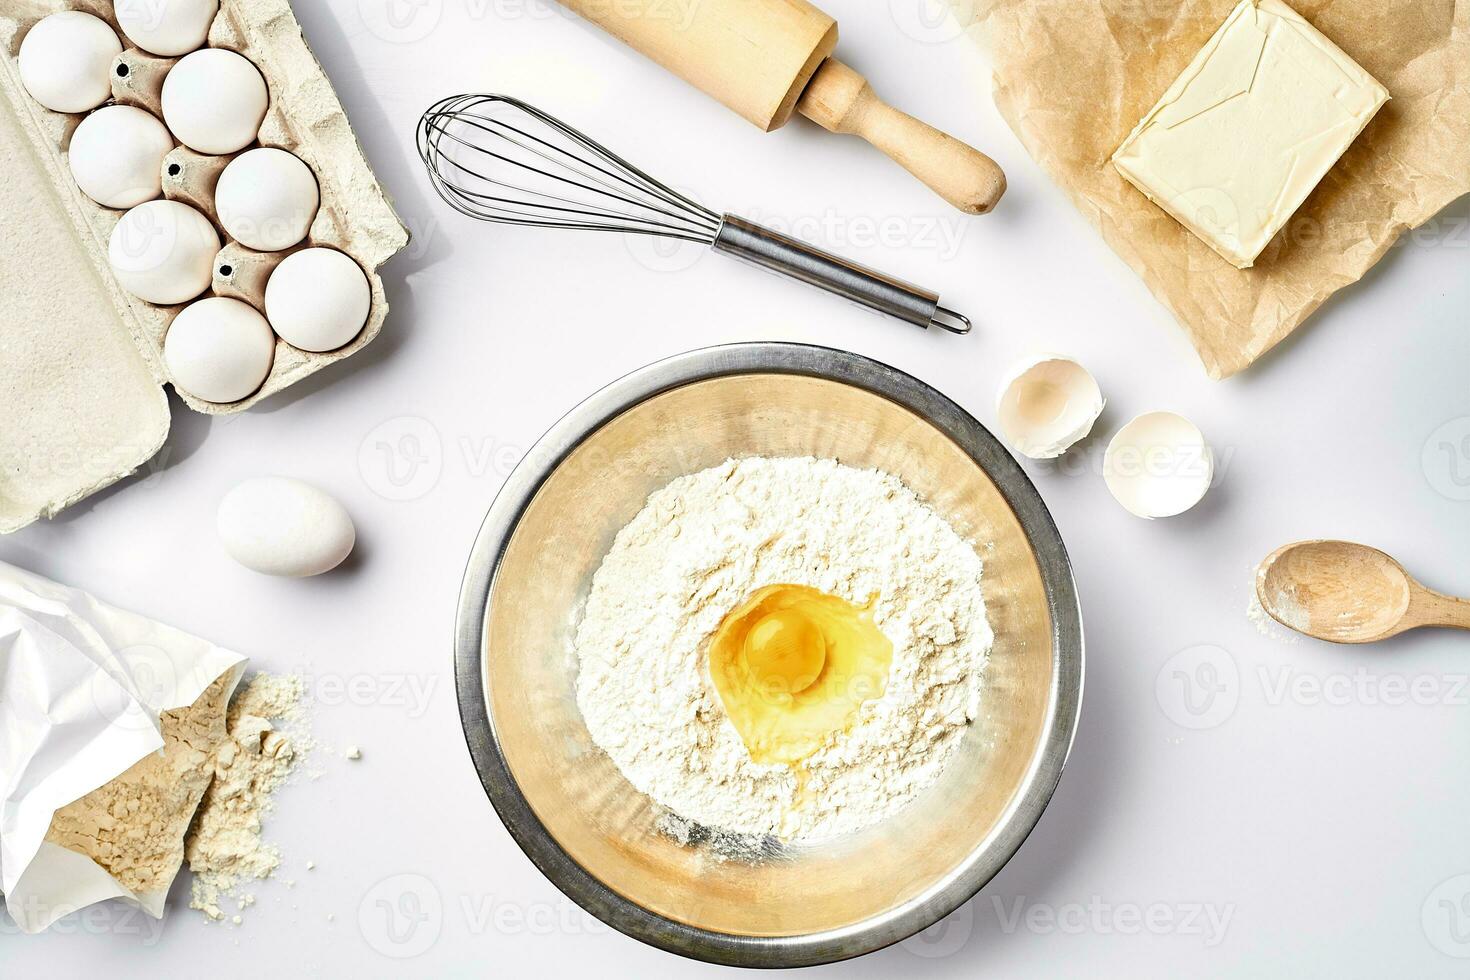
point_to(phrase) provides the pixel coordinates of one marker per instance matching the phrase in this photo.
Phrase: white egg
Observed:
(266, 199)
(1047, 405)
(219, 349)
(279, 526)
(66, 61)
(116, 156)
(317, 299)
(163, 252)
(214, 101)
(1158, 465)
(166, 27)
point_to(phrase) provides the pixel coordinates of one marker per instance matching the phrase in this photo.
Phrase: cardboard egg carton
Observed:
(80, 394)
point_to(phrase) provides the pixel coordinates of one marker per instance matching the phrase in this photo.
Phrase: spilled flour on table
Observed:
(1267, 625)
(266, 742)
(701, 546)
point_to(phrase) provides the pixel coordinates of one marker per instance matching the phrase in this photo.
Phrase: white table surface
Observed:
(1316, 826)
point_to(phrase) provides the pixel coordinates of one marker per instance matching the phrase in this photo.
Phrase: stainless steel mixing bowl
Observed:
(564, 801)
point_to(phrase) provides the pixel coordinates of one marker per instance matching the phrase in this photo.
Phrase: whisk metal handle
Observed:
(867, 287)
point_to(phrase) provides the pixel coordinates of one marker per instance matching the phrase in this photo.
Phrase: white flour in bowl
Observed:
(698, 548)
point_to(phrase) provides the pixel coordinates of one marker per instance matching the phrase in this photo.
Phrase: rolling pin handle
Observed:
(841, 101)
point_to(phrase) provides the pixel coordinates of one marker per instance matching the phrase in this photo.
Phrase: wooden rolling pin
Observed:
(766, 58)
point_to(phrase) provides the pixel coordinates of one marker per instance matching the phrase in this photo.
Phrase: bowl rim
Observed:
(471, 682)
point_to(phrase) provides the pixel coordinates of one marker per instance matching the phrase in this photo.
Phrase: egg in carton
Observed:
(82, 419)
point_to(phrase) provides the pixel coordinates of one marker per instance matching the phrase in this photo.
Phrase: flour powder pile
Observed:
(698, 548)
(202, 797)
(225, 848)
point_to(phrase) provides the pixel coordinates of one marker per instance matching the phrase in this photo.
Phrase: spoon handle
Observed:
(1436, 609)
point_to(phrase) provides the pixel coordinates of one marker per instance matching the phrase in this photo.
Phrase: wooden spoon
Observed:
(1350, 593)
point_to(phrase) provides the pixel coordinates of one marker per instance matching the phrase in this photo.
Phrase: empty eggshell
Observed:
(1158, 465)
(163, 252)
(219, 349)
(166, 27)
(279, 526)
(65, 61)
(214, 101)
(266, 199)
(1047, 405)
(317, 299)
(116, 156)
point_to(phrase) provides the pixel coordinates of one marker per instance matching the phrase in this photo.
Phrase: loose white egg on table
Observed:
(219, 349)
(279, 526)
(1158, 465)
(66, 61)
(1047, 405)
(266, 199)
(116, 156)
(214, 101)
(317, 299)
(166, 27)
(163, 252)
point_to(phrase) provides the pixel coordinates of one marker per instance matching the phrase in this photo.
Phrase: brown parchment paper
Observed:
(1072, 77)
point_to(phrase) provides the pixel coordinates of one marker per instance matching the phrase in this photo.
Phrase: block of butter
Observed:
(1241, 138)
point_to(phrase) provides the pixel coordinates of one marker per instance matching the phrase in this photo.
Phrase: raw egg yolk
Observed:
(793, 665)
(785, 651)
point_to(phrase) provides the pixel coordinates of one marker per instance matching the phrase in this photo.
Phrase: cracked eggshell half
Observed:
(279, 526)
(65, 61)
(166, 27)
(1159, 465)
(1047, 405)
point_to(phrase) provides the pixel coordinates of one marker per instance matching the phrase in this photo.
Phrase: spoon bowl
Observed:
(1349, 593)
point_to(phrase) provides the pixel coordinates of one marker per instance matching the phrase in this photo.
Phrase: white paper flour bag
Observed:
(84, 692)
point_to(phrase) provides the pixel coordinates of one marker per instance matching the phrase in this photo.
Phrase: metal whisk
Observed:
(498, 159)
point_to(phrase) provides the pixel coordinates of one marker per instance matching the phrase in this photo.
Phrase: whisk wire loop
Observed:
(496, 158)
(499, 159)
